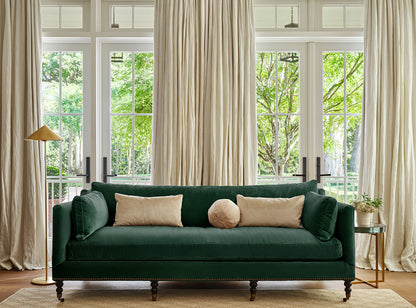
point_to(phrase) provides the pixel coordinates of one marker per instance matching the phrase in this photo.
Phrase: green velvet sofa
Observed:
(199, 251)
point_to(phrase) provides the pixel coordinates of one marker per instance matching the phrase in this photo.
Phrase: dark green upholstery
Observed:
(319, 215)
(61, 221)
(197, 200)
(245, 253)
(90, 213)
(344, 231)
(203, 244)
(202, 270)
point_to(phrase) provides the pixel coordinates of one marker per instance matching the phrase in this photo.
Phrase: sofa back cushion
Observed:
(148, 211)
(90, 213)
(198, 199)
(320, 215)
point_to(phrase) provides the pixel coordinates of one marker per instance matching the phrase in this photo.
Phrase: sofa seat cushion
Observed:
(153, 243)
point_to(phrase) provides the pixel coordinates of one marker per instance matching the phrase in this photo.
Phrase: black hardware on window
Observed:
(303, 175)
(105, 175)
(87, 170)
(318, 170)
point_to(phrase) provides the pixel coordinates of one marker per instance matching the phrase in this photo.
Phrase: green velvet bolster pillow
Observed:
(319, 215)
(90, 213)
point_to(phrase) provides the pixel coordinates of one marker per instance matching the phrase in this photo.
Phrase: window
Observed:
(342, 16)
(131, 17)
(278, 116)
(130, 116)
(342, 95)
(296, 121)
(58, 17)
(276, 17)
(63, 106)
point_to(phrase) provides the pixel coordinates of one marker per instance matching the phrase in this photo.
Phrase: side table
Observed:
(377, 230)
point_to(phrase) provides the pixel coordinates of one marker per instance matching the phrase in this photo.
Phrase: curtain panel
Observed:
(21, 171)
(388, 165)
(204, 123)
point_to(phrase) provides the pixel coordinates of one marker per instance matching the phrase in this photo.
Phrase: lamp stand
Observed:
(47, 280)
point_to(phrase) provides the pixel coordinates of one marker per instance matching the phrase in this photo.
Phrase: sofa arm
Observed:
(61, 231)
(344, 231)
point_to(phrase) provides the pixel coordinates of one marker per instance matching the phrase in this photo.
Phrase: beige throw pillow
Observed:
(224, 214)
(148, 211)
(270, 212)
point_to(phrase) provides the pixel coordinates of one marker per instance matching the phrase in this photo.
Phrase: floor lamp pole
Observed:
(46, 217)
(44, 134)
(47, 280)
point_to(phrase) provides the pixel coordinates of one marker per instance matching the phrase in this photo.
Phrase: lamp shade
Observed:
(44, 133)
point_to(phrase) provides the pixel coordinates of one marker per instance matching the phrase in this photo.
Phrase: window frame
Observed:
(320, 49)
(86, 12)
(107, 48)
(106, 16)
(319, 4)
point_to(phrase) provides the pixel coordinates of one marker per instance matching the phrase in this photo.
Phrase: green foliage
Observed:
(376, 202)
(273, 128)
(62, 106)
(132, 156)
(278, 95)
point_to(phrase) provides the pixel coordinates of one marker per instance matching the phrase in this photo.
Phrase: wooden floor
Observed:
(402, 283)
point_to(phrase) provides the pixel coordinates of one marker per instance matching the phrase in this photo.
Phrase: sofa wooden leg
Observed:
(347, 284)
(154, 284)
(253, 289)
(59, 284)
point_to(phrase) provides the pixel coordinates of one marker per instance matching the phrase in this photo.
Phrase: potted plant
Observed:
(365, 209)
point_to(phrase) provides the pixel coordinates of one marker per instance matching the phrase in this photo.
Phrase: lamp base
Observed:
(43, 281)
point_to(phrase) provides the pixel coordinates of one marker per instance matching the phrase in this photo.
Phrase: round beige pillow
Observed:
(224, 214)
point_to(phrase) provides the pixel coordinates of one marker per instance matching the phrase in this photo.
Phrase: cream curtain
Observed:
(204, 123)
(388, 167)
(21, 172)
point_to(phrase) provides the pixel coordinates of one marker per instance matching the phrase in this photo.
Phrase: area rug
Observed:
(37, 297)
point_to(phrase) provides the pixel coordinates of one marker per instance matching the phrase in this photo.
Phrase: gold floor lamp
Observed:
(45, 134)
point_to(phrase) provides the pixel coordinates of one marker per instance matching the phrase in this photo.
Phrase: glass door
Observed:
(341, 95)
(281, 114)
(64, 110)
(127, 113)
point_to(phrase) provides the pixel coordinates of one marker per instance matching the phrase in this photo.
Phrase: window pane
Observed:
(285, 18)
(333, 82)
(288, 82)
(334, 187)
(354, 16)
(143, 83)
(333, 138)
(143, 17)
(121, 82)
(266, 132)
(333, 17)
(72, 145)
(50, 16)
(122, 145)
(143, 147)
(265, 17)
(288, 145)
(71, 17)
(123, 16)
(355, 80)
(50, 82)
(52, 147)
(353, 145)
(266, 82)
(72, 92)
